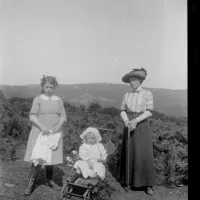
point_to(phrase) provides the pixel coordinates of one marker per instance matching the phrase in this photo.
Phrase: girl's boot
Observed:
(49, 175)
(33, 174)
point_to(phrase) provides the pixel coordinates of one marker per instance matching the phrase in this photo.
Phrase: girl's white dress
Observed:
(93, 153)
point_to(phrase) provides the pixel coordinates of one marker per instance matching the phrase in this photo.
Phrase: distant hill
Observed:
(169, 102)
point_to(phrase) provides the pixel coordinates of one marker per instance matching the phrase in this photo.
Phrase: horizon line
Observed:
(88, 84)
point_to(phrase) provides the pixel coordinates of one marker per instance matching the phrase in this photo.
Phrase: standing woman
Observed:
(135, 110)
(47, 113)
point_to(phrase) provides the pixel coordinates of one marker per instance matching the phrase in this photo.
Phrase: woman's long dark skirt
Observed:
(142, 172)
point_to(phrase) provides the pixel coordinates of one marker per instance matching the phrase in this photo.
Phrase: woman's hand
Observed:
(90, 164)
(133, 124)
(127, 123)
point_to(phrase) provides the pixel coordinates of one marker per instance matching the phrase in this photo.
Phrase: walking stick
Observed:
(128, 160)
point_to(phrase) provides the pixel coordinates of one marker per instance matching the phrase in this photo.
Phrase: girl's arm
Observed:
(33, 116)
(35, 120)
(57, 128)
(63, 117)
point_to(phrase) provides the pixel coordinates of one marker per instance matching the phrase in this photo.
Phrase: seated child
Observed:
(92, 155)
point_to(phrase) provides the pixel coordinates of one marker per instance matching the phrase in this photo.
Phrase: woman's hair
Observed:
(50, 79)
(141, 80)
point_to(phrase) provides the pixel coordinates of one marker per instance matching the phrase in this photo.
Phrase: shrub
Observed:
(69, 107)
(170, 140)
(110, 111)
(94, 106)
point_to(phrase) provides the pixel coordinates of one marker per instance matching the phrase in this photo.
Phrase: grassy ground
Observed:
(14, 178)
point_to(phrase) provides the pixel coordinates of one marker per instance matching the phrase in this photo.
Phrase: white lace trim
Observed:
(53, 98)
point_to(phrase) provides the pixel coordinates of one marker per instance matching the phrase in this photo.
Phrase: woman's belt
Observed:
(49, 114)
(133, 115)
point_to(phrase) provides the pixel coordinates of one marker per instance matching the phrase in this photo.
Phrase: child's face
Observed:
(48, 89)
(90, 138)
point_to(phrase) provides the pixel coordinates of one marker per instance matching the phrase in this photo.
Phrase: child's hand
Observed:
(90, 164)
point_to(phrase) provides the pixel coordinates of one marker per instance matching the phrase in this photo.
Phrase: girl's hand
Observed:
(133, 124)
(56, 129)
(90, 164)
(44, 130)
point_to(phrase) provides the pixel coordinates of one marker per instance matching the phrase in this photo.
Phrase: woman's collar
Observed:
(139, 88)
(45, 97)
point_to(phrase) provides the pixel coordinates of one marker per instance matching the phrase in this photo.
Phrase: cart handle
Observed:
(105, 129)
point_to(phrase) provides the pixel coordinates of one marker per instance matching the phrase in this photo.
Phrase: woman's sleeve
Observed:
(149, 108)
(34, 109)
(123, 110)
(62, 111)
(149, 101)
(84, 153)
(103, 151)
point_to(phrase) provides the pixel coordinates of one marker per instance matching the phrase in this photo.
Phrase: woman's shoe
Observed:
(149, 191)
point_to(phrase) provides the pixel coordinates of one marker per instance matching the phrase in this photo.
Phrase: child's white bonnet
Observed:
(91, 130)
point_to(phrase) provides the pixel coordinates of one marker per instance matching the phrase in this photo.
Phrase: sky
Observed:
(93, 41)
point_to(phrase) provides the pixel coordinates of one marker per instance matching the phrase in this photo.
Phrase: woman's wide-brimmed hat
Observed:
(138, 73)
(91, 130)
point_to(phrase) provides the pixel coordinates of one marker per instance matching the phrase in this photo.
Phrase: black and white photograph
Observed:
(93, 100)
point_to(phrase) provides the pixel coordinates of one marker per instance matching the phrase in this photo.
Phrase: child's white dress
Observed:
(93, 153)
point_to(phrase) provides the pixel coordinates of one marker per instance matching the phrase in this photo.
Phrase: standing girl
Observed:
(135, 110)
(47, 113)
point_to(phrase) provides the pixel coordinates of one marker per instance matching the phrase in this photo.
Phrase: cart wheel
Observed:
(63, 192)
(93, 195)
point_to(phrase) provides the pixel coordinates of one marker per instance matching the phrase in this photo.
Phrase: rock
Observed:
(113, 183)
(117, 196)
(9, 185)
